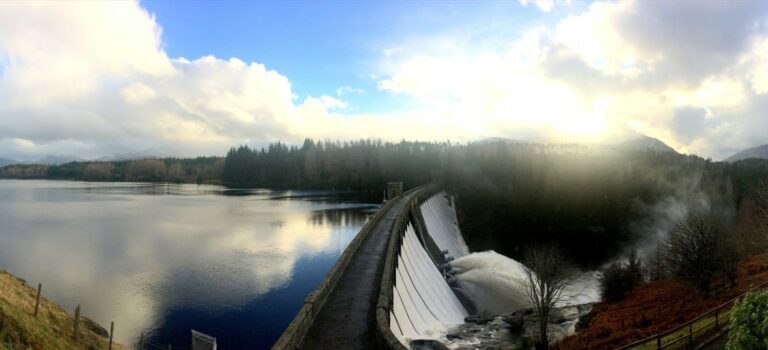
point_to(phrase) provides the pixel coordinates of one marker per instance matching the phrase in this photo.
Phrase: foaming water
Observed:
(495, 284)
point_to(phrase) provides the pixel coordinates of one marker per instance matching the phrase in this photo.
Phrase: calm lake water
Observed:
(162, 259)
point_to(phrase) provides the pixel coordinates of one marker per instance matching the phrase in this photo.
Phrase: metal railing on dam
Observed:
(388, 287)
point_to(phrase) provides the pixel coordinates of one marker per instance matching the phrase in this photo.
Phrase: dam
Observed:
(391, 284)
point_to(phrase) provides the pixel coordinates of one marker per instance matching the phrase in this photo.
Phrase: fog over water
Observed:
(166, 258)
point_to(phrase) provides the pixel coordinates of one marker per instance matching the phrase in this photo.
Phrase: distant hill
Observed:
(646, 143)
(56, 160)
(146, 154)
(6, 161)
(640, 143)
(497, 140)
(754, 152)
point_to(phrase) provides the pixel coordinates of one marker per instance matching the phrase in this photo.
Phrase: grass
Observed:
(679, 339)
(51, 329)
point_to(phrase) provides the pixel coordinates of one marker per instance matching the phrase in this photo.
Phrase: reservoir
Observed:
(162, 259)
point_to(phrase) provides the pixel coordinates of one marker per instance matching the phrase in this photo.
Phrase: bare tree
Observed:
(692, 251)
(546, 280)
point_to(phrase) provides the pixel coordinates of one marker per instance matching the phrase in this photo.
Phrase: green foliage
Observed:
(746, 174)
(620, 278)
(364, 165)
(749, 323)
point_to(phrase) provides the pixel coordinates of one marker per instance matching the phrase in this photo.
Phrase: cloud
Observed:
(94, 79)
(689, 122)
(331, 103)
(688, 73)
(543, 5)
(344, 90)
(97, 73)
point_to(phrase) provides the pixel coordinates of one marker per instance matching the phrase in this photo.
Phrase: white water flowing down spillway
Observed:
(426, 306)
(492, 281)
(495, 284)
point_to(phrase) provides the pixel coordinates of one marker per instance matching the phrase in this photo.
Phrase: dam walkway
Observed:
(390, 285)
(349, 313)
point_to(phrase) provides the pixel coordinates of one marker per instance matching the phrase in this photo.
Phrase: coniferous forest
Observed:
(593, 200)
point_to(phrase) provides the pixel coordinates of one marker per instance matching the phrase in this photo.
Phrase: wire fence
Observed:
(693, 332)
(77, 332)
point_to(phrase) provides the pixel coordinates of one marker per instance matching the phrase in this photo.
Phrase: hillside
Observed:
(5, 161)
(646, 143)
(52, 329)
(58, 159)
(657, 307)
(754, 152)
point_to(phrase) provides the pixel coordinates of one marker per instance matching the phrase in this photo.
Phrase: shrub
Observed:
(619, 278)
(749, 323)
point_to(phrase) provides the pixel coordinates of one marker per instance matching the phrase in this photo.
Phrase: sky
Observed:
(94, 79)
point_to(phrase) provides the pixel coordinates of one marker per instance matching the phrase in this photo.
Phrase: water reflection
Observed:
(166, 258)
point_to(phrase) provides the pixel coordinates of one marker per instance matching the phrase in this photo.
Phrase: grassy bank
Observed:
(51, 329)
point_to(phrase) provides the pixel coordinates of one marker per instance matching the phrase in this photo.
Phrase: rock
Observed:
(516, 322)
(477, 319)
(452, 336)
(427, 344)
(584, 321)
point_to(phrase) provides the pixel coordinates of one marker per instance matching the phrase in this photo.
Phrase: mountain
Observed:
(491, 140)
(639, 143)
(60, 159)
(5, 161)
(646, 143)
(754, 152)
(145, 154)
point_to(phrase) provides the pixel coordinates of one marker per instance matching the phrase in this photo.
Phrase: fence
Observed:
(77, 330)
(692, 332)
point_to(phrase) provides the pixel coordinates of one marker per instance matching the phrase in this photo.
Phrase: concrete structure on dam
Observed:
(390, 286)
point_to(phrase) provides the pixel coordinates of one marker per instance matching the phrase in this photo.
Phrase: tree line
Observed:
(509, 195)
(191, 170)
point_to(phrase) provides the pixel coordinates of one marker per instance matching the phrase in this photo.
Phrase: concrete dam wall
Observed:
(422, 303)
(390, 286)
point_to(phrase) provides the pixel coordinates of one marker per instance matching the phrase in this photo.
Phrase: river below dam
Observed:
(162, 259)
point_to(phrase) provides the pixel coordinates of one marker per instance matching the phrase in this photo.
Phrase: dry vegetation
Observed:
(51, 329)
(659, 306)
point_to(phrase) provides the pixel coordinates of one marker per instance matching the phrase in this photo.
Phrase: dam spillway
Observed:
(422, 300)
(389, 286)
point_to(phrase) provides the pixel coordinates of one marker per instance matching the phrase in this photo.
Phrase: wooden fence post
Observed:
(658, 343)
(111, 333)
(690, 335)
(37, 300)
(76, 335)
(717, 319)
